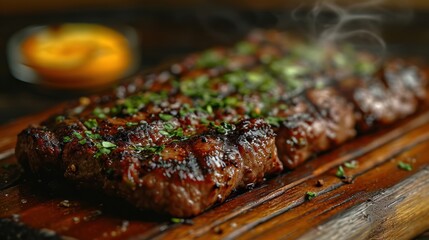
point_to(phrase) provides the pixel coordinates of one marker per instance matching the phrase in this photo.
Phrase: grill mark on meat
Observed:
(180, 153)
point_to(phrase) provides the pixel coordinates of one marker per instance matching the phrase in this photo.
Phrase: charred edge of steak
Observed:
(182, 138)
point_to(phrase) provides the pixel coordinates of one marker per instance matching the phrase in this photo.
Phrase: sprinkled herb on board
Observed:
(176, 220)
(405, 166)
(310, 195)
(352, 164)
(182, 220)
(340, 172)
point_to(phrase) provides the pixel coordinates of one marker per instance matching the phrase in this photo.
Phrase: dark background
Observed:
(168, 29)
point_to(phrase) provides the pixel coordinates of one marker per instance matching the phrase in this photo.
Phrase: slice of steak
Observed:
(301, 133)
(337, 112)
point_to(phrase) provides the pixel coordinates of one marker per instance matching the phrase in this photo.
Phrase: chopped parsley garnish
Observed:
(210, 58)
(150, 149)
(107, 144)
(66, 139)
(170, 131)
(104, 148)
(91, 123)
(245, 48)
(93, 136)
(82, 141)
(176, 220)
(165, 117)
(59, 119)
(129, 124)
(340, 172)
(351, 164)
(77, 135)
(405, 166)
(204, 121)
(133, 104)
(310, 195)
(185, 110)
(223, 128)
(209, 109)
(197, 87)
(99, 113)
(274, 121)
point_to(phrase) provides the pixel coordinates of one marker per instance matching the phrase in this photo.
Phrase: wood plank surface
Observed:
(382, 202)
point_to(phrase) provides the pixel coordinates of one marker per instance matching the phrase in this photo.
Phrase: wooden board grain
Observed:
(383, 202)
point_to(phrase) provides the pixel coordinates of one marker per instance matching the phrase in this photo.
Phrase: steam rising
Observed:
(333, 26)
(352, 21)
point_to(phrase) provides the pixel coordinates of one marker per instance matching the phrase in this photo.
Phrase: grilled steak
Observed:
(185, 136)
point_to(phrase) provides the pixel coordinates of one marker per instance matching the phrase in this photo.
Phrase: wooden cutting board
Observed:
(383, 202)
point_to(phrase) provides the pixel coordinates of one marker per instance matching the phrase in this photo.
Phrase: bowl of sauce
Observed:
(73, 55)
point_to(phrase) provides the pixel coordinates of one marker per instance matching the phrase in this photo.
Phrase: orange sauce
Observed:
(77, 55)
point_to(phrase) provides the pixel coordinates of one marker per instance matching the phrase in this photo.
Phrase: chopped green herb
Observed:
(93, 136)
(77, 135)
(165, 117)
(185, 110)
(59, 119)
(102, 151)
(245, 48)
(223, 128)
(209, 109)
(405, 166)
(310, 195)
(83, 141)
(99, 113)
(176, 220)
(197, 87)
(165, 133)
(104, 148)
(365, 68)
(210, 58)
(170, 131)
(231, 101)
(340, 172)
(129, 124)
(150, 149)
(106, 144)
(283, 106)
(274, 121)
(168, 127)
(91, 123)
(132, 105)
(351, 164)
(204, 121)
(66, 139)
